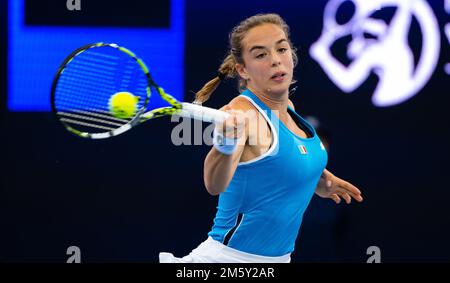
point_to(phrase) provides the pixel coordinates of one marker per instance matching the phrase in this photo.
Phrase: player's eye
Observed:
(261, 55)
(282, 50)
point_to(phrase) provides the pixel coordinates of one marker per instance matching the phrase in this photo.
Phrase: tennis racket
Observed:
(88, 78)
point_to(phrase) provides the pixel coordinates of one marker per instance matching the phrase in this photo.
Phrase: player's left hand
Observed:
(330, 186)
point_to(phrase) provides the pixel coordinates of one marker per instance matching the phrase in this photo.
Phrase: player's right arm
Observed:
(219, 168)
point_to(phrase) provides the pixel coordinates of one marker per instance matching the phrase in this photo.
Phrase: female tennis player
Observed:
(267, 161)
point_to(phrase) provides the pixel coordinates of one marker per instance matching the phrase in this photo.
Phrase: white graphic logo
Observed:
(447, 33)
(387, 53)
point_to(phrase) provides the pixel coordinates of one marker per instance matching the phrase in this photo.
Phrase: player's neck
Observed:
(276, 102)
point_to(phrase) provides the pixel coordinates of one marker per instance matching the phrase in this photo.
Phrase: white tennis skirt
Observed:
(212, 251)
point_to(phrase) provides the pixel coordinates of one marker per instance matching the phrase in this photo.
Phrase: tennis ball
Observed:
(123, 104)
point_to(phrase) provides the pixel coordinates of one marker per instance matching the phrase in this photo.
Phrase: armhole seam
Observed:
(273, 130)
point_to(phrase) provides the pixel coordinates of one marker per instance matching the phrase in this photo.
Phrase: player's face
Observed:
(268, 63)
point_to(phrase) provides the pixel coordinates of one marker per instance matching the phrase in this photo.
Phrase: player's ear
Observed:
(242, 71)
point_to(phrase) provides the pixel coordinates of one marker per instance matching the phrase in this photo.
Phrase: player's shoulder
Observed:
(241, 103)
(291, 104)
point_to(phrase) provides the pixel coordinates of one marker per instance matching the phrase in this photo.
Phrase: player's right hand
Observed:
(234, 126)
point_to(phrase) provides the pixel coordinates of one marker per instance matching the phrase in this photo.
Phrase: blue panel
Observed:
(35, 53)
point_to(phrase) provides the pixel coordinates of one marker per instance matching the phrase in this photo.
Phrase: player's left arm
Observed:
(333, 187)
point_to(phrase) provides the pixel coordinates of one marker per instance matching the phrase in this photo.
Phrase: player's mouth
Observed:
(278, 76)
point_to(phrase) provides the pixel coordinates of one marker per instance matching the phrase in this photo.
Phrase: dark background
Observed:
(128, 198)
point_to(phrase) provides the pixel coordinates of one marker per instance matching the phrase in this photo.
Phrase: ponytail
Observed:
(226, 70)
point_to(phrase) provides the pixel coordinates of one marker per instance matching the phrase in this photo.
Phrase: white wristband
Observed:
(223, 144)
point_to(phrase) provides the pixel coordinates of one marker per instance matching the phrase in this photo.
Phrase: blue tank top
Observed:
(262, 208)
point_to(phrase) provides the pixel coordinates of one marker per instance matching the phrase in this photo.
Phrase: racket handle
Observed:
(202, 113)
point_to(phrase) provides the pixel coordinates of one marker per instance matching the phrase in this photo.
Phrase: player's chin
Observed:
(280, 87)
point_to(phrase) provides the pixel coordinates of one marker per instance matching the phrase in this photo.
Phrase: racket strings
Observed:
(99, 75)
(99, 114)
(85, 87)
(89, 118)
(77, 122)
(82, 97)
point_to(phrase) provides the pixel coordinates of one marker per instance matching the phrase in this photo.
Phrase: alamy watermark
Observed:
(73, 5)
(261, 131)
(375, 254)
(74, 253)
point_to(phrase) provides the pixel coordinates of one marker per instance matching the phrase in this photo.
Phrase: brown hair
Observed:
(227, 68)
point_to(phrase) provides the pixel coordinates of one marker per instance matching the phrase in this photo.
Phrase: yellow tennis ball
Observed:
(123, 104)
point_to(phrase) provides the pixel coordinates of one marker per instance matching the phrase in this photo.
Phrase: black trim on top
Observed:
(299, 122)
(230, 233)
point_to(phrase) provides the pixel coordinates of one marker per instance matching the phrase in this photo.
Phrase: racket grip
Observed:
(197, 112)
